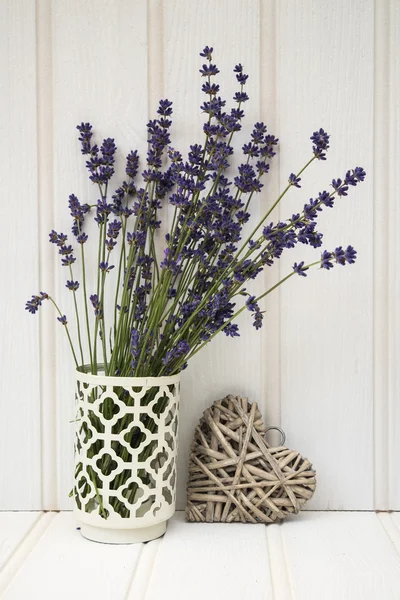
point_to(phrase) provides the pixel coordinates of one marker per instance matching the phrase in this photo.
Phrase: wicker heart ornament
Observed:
(236, 476)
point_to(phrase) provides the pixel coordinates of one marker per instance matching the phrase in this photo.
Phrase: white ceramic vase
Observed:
(126, 432)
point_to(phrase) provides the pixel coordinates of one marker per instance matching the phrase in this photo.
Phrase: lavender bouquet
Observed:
(167, 308)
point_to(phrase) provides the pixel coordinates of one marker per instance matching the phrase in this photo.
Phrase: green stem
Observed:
(78, 325)
(66, 330)
(86, 306)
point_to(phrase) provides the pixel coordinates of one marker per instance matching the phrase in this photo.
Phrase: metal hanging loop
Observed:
(283, 435)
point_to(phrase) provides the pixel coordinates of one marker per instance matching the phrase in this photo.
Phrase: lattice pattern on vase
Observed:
(236, 476)
(125, 449)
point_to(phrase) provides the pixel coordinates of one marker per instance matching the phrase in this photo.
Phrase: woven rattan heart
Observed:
(234, 475)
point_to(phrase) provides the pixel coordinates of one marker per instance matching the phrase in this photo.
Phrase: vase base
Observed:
(123, 536)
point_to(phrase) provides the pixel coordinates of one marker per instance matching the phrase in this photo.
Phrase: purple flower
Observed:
(326, 260)
(339, 256)
(77, 211)
(165, 108)
(231, 330)
(247, 181)
(64, 250)
(340, 187)
(300, 269)
(211, 89)
(134, 347)
(326, 199)
(359, 173)
(294, 180)
(68, 260)
(94, 299)
(253, 307)
(82, 238)
(33, 305)
(132, 164)
(57, 238)
(311, 209)
(251, 304)
(113, 229)
(209, 70)
(171, 264)
(63, 320)
(207, 52)
(240, 76)
(350, 254)
(320, 140)
(72, 285)
(85, 130)
(240, 97)
(105, 267)
(180, 349)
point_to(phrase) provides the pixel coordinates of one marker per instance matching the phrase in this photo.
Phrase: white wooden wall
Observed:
(325, 365)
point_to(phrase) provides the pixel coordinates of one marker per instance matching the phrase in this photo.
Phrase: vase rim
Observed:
(84, 376)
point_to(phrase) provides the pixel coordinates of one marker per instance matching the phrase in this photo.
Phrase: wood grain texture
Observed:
(19, 349)
(382, 227)
(270, 390)
(100, 76)
(326, 320)
(340, 555)
(44, 72)
(233, 560)
(64, 565)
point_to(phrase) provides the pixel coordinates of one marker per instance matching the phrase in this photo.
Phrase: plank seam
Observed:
(287, 569)
(270, 563)
(134, 573)
(391, 530)
(144, 569)
(23, 550)
(281, 582)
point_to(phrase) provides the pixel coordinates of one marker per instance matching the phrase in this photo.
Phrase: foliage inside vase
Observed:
(125, 448)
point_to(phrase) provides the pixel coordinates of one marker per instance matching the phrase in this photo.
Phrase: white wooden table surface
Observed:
(316, 555)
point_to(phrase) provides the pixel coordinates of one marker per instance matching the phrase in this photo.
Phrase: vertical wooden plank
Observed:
(325, 79)
(232, 27)
(47, 258)
(100, 76)
(382, 228)
(393, 173)
(19, 352)
(270, 114)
